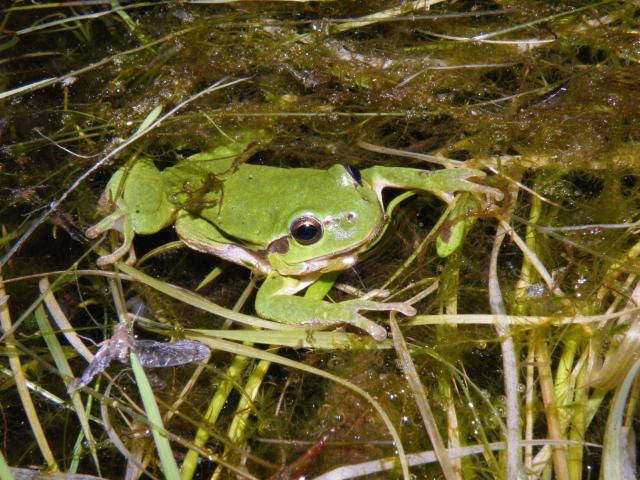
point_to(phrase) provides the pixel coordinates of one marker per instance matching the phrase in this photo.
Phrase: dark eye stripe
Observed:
(279, 245)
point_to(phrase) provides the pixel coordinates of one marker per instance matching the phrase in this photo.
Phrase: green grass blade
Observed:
(167, 460)
(5, 471)
(614, 456)
(60, 359)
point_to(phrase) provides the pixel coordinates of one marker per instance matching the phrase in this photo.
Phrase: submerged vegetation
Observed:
(523, 359)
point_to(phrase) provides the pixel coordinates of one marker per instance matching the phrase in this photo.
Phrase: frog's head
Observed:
(334, 219)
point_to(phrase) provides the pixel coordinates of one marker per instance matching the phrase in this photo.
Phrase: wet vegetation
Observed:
(523, 358)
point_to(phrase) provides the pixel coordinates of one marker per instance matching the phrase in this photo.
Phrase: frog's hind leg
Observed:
(120, 221)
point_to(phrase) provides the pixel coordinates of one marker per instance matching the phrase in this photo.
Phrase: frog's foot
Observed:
(119, 221)
(333, 314)
(372, 328)
(463, 181)
(347, 312)
(442, 183)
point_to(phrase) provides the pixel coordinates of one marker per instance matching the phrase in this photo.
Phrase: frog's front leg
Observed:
(120, 221)
(442, 183)
(277, 301)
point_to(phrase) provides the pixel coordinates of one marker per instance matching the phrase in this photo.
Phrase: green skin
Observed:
(244, 214)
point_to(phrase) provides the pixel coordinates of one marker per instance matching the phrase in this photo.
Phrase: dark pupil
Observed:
(306, 232)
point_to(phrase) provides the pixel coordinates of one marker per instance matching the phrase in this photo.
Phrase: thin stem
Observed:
(509, 363)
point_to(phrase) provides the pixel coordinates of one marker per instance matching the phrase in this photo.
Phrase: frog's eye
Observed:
(306, 230)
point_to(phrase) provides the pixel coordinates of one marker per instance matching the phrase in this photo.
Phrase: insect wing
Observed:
(154, 354)
(101, 360)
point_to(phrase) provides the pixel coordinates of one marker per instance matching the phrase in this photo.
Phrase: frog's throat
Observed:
(314, 266)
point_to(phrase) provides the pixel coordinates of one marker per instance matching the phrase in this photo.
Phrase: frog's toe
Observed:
(117, 221)
(117, 254)
(132, 258)
(378, 332)
(496, 193)
(376, 293)
(93, 232)
(406, 309)
(403, 308)
(110, 259)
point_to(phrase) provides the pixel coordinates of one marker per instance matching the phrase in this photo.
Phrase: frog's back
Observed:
(258, 203)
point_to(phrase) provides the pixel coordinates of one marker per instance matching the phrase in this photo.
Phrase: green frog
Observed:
(291, 225)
